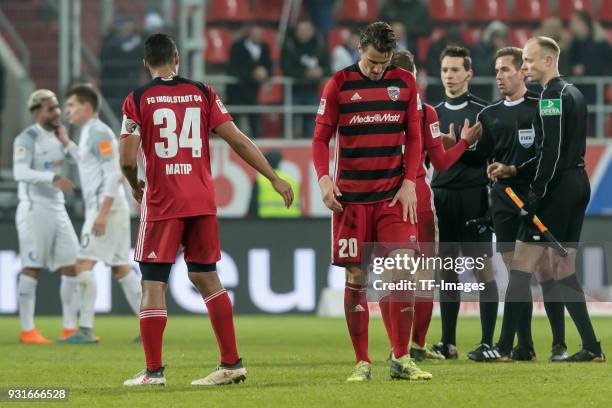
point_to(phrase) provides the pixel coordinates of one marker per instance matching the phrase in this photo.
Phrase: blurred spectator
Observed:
(321, 14)
(435, 92)
(346, 53)
(400, 34)
(121, 60)
(589, 53)
(265, 201)
(153, 22)
(492, 38)
(414, 15)
(451, 37)
(305, 59)
(553, 27)
(250, 62)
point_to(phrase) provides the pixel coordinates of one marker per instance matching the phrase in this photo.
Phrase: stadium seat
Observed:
(272, 93)
(357, 11)
(218, 45)
(272, 125)
(487, 10)
(471, 36)
(228, 11)
(271, 38)
(336, 36)
(447, 10)
(267, 10)
(531, 10)
(605, 12)
(519, 36)
(425, 43)
(567, 7)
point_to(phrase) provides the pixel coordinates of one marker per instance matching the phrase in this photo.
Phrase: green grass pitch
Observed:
(296, 361)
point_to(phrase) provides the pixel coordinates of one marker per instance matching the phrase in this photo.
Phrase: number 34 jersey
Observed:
(173, 117)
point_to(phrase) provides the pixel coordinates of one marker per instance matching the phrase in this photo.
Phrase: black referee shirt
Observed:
(560, 127)
(508, 135)
(466, 172)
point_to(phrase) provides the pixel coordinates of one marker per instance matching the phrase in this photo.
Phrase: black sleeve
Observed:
(266, 59)
(552, 107)
(478, 154)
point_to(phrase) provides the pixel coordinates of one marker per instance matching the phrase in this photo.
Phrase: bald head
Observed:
(540, 59)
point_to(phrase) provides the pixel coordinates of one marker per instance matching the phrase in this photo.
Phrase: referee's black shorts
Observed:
(562, 209)
(506, 216)
(453, 208)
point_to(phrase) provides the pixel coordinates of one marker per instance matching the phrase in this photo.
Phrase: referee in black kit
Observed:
(508, 137)
(460, 195)
(559, 193)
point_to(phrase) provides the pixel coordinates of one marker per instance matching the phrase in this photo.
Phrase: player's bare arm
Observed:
(128, 155)
(250, 153)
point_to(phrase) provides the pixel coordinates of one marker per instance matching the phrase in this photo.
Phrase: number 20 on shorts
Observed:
(350, 244)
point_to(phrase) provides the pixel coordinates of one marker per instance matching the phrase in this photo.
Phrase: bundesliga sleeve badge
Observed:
(322, 104)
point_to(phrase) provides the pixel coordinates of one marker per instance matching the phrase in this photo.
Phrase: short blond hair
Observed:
(38, 97)
(547, 43)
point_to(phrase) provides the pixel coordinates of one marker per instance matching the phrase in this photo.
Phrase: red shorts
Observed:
(427, 222)
(158, 241)
(361, 223)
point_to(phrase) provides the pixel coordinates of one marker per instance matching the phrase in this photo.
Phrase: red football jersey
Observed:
(369, 119)
(430, 132)
(173, 117)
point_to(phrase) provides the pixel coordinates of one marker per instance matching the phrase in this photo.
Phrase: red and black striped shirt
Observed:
(375, 123)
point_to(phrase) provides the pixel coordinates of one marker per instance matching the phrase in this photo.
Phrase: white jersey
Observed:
(98, 161)
(38, 156)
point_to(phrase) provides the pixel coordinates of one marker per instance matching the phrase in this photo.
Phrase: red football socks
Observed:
(383, 304)
(357, 318)
(221, 316)
(152, 325)
(422, 318)
(401, 311)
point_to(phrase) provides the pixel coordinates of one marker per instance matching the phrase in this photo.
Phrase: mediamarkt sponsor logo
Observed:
(387, 117)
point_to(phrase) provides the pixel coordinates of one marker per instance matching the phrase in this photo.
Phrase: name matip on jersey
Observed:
(464, 173)
(508, 134)
(173, 117)
(369, 118)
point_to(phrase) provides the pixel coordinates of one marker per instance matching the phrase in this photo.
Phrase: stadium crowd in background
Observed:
(310, 52)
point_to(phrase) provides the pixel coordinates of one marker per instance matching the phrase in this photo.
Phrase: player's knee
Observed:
(69, 271)
(159, 272)
(354, 274)
(199, 267)
(119, 272)
(31, 272)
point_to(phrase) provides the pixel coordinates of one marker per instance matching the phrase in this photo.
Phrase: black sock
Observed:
(518, 296)
(576, 306)
(523, 330)
(506, 337)
(489, 300)
(450, 301)
(555, 310)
